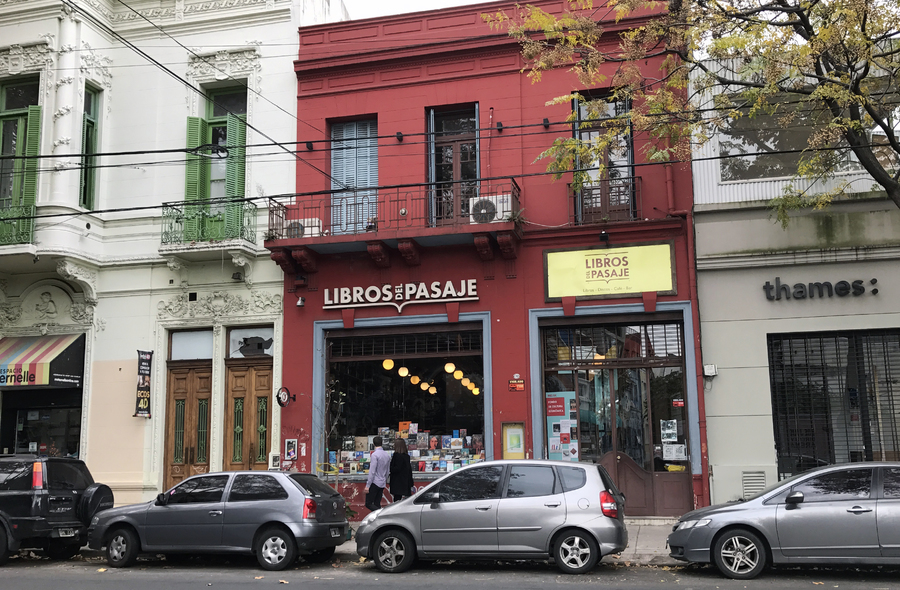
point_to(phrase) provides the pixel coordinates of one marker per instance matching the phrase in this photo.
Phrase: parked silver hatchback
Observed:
(571, 512)
(274, 515)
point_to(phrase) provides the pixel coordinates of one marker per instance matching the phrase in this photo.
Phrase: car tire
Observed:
(320, 556)
(275, 549)
(122, 548)
(576, 552)
(394, 551)
(739, 554)
(62, 551)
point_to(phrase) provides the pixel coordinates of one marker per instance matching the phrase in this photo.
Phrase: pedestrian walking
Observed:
(401, 472)
(379, 468)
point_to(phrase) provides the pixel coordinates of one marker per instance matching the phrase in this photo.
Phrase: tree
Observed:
(826, 70)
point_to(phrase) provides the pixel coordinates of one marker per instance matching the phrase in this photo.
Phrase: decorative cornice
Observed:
(508, 243)
(224, 64)
(18, 59)
(218, 305)
(306, 258)
(762, 259)
(242, 261)
(96, 67)
(483, 246)
(83, 276)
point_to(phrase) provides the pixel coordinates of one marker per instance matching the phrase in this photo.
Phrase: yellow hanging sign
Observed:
(610, 272)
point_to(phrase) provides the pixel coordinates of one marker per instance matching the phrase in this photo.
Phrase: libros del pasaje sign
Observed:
(401, 295)
(609, 272)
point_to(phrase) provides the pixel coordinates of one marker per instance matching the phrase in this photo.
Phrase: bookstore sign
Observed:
(399, 296)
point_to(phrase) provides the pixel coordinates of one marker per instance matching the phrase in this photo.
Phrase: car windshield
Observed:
(312, 485)
(775, 486)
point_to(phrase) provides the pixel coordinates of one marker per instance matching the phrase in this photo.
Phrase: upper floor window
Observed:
(88, 148)
(20, 127)
(453, 169)
(354, 166)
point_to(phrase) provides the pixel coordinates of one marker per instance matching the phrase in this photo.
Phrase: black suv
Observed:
(47, 503)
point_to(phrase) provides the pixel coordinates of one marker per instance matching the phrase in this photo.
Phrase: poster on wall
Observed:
(562, 439)
(142, 405)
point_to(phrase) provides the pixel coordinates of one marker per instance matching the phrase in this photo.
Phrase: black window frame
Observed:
(812, 499)
(555, 488)
(172, 494)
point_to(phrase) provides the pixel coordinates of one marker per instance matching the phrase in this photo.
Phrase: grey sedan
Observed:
(276, 516)
(844, 514)
(571, 512)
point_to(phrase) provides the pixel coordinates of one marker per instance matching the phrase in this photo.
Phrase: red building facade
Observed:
(442, 289)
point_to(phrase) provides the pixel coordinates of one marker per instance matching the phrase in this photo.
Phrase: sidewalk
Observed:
(646, 543)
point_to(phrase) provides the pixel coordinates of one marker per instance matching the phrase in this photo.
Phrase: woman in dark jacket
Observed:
(401, 484)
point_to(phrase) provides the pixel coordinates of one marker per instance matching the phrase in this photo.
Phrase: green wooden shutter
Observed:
(30, 171)
(234, 174)
(85, 162)
(196, 179)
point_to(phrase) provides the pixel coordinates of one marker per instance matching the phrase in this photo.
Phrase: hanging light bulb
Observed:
(465, 382)
(471, 386)
(388, 364)
(414, 379)
(403, 371)
(476, 391)
(457, 374)
(424, 386)
(432, 390)
(449, 367)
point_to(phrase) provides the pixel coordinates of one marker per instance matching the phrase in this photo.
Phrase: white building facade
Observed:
(118, 235)
(800, 326)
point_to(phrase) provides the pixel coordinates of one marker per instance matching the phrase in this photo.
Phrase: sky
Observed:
(370, 8)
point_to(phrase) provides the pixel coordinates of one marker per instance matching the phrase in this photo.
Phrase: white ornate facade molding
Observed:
(28, 58)
(237, 64)
(240, 260)
(219, 306)
(82, 275)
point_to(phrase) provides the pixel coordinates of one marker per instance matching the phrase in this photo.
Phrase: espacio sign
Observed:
(399, 296)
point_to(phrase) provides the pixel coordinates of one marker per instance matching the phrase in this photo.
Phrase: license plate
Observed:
(66, 532)
(335, 532)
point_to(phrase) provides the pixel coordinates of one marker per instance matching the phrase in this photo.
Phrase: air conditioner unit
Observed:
(490, 208)
(304, 228)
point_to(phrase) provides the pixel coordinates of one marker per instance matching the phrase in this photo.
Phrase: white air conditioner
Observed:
(490, 208)
(304, 228)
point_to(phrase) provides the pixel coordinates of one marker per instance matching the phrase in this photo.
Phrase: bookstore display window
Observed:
(425, 388)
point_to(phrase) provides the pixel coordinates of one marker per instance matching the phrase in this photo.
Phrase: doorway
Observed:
(248, 417)
(187, 420)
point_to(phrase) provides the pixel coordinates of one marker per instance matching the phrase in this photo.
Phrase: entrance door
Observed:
(248, 414)
(187, 420)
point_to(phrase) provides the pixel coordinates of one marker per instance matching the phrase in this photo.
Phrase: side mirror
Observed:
(794, 498)
(162, 499)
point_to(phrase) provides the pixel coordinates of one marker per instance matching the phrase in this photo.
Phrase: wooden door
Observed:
(248, 414)
(187, 421)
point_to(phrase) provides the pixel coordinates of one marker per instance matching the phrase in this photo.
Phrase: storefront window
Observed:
(425, 388)
(51, 432)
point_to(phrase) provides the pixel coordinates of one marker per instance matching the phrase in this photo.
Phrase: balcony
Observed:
(606, 200)
(433, 214)
(198, 230)
(17, 225)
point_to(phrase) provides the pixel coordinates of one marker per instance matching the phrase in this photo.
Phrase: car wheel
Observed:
(320, 556)
(394, 552)
(62, 551)
(4, 548)
(740, 554)
(576, 552)
(122, 548)
(275, 549)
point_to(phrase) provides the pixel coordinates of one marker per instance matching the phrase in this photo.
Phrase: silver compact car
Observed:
(274, 515)
(571, 512)
(842, 514)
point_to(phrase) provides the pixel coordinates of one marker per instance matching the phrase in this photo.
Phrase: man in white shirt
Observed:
(379, 467)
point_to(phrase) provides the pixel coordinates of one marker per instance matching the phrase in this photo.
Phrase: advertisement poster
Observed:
(609, 272)
(142, 405)
(562, 430)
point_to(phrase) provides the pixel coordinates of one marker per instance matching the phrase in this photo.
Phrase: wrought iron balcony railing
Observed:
(17, 225)
(208, 221)
(474, 204)
(607, 199)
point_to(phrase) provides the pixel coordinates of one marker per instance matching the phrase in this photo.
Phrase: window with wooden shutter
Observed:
(20, 137)
(88, 149)
(354, 168)
(196, 180)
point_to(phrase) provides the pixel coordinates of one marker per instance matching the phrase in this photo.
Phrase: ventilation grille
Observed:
(752, 482)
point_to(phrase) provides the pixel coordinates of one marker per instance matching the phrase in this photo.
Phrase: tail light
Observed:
(608, 505)
(309, 508)
(37, 476)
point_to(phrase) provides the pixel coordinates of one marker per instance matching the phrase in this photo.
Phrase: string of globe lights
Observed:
(450, 368)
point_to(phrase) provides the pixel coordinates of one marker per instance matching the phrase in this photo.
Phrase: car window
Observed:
(473, 484)
(199, 490)
(851, 484)
(892, 483)
(68, 475)
(312, 485)
(572, 477)
(15, 476)
(530, 480)
(256, 487)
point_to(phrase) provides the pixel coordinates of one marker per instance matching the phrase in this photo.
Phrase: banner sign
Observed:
(609, 272)
(142, 406)
(399, 296)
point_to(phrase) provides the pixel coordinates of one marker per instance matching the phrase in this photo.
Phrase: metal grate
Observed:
(611, 345)
(752, 482)
(405, 345)
(835, 397)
